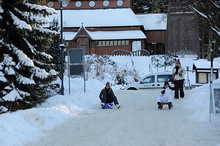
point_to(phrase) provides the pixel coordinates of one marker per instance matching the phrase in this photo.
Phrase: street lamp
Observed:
(62, 47)
(212, 57)
(63, 3)
(211, 76)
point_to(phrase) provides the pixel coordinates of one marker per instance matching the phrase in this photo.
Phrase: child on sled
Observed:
(165, 96)
(107, 96)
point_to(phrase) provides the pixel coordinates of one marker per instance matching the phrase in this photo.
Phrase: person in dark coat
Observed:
(107, 96)
(178, 72)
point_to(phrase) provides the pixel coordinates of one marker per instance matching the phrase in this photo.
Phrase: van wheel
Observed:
(132, 89)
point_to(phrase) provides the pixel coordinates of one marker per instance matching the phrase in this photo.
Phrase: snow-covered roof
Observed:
(126, 34)
(109, 35)
(98, 17)
(69, 35)
(207, 64)
(156, 21)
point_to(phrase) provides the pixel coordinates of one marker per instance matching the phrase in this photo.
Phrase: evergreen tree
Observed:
(25, 68)
(55, 50)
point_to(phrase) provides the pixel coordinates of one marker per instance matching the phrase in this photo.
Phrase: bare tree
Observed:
(209, 24)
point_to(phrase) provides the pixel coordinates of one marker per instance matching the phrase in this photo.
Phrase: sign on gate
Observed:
(76, 61)
(76, 70)
(216, 98)
(76, 64)
(76, 55)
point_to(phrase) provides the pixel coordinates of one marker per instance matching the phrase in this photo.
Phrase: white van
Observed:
(153, 80)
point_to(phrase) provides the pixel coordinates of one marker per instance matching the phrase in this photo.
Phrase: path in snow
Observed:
(137, 122)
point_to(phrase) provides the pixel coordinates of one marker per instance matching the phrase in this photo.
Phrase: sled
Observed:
(107, 106)
(166, 103)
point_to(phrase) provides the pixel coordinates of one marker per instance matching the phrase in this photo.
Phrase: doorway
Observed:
(83, 43)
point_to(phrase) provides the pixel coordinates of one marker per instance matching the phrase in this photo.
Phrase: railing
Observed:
(141, 52)
(121, 52)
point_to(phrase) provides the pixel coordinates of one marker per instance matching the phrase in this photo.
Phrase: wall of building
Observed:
(86, 4)
(156, 36)
(182, 34)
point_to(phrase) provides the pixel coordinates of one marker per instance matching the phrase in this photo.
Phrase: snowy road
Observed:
(137, 123)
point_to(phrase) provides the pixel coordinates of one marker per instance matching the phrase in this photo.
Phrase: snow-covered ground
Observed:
(76, 118)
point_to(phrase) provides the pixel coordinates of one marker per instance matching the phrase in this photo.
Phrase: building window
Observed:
(113, 43)
(106, 3)
(91, 3)
(90, 28)
(67, 44)
(136, 45)
(78, 4)
(50, 4)
(119, 3)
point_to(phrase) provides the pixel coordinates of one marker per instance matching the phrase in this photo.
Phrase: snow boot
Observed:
(170, 105)
(118, 106)
(160, 105)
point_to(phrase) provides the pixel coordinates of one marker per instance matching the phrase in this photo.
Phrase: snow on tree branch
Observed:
(36, 18)
(12, 96)
(200, 13)
(41, 73)
(8, 62)
(217, 31)
(23, 58)
(46, 31)
(31, 47)
(24, 80)
(46, 55)
(2, 78)
(215, 4)
(20, 24)
(38, 7)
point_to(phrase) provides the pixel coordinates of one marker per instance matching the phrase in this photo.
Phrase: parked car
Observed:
(153, 80)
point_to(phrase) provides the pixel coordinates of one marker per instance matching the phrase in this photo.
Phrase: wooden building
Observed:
(155, 26)
(103, 26)
(203, 71)
(182, 29)
(100, 27)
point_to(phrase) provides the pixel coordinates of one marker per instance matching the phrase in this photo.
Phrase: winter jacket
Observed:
(106, 91)
(168, 92)
(179, 73)
(166, 95)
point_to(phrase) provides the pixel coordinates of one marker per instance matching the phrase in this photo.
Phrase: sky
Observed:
(26, 125)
